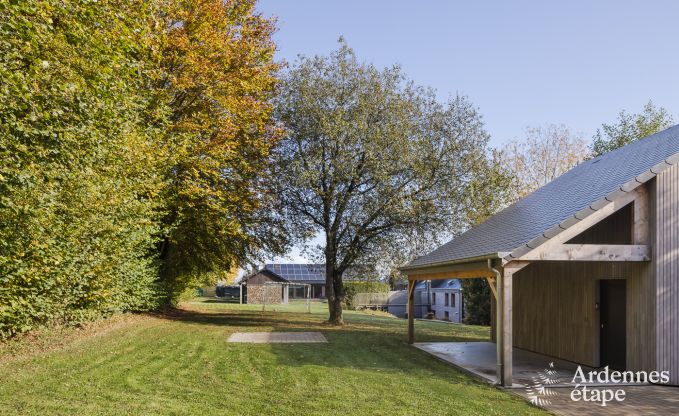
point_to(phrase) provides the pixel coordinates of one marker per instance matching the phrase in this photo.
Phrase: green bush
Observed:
(78, 215)
(476, 301)
(352, 288)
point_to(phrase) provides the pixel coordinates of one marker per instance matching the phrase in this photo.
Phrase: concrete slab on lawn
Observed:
(277, 337)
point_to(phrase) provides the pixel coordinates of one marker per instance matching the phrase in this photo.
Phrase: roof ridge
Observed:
(568, 199)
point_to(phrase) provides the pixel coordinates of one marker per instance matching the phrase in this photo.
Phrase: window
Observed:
(433, 298)
(446, 300)
(452, 300)
(446, 315)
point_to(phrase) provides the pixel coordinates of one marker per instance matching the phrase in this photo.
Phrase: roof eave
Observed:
(557, 229)
(491, 256)
(563, 225)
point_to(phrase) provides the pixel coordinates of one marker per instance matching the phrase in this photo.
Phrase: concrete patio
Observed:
(480, 359)
(550, 387)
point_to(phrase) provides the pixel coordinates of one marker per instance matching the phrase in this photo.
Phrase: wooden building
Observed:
(584, 269)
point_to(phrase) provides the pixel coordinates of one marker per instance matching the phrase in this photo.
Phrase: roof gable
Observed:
(578, 192)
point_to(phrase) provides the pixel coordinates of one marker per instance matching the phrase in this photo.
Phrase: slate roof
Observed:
(587, 187)
(439, 284)
(446, 284)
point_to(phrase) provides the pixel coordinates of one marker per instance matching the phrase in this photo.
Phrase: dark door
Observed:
(613, 316)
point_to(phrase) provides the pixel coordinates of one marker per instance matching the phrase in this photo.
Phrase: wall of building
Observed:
(554, 302)
(398, 301)
(554, 310)
(666, 253)
(269, 294)
(440, 308)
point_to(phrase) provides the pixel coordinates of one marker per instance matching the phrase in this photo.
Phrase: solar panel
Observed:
(298, 272)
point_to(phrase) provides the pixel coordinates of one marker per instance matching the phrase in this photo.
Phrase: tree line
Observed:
(148, 146)
(132, 140)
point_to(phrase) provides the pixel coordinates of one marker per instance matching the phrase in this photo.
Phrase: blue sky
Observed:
(522, 63)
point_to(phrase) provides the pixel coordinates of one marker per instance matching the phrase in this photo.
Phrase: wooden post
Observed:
(411, 311)
(641, 221)
(241, 293)
(499, 322)
(507, 327)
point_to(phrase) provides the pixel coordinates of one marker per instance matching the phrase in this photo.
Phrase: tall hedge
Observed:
(79, 218)
(134, 135)
(351, 288)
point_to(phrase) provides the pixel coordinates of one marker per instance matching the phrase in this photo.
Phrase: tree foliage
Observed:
(217, 77)
(367, 157)
(131, 137)
(630, 127)
(477, 300)
(543, 155)
(79, 176)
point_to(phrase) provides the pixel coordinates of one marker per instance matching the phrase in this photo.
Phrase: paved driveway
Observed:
(639, 400)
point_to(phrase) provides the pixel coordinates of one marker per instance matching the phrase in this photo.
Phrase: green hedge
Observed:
(78, 216)
(352, 288)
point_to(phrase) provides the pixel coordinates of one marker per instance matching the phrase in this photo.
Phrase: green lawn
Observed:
(180, 364)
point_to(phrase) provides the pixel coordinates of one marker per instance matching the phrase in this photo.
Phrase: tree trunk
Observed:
(334, 293)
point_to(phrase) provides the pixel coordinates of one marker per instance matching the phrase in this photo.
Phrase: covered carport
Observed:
(500, 281)
(551, 257)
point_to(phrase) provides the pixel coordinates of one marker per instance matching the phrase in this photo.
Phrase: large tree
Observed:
(80, 169)
(630, 127)
(542, 155)
(215, 81)
(367, 156)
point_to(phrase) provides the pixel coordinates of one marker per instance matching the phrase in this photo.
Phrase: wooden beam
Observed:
(580, 226)
(641, 229)
(592, 252)
(491, 283)
(457, 267)
(466, 274)
(411, 311)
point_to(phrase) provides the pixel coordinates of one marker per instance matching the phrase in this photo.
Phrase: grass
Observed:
(179, 363)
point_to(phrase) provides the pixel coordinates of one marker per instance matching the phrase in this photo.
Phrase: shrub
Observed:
(78, 178)
(352, 288)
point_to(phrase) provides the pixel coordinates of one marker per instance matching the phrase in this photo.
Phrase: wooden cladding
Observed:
(666, 238)
(593, 252)
(555, 310)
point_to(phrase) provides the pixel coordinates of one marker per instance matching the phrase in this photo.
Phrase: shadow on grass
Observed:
(372, 326)
(366, 343)
(217, 300)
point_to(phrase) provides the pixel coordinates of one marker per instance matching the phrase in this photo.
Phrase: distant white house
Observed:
(442, 298)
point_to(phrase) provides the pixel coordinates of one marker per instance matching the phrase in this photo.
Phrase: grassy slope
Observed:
(181, 364)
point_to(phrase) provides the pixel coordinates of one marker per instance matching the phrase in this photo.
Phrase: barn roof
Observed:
(299, 273)
(577, 193)
(313, 273)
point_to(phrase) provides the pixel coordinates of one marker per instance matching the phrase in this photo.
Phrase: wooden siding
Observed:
(554, 305)
(616, 229)
(261, 278)
(666, 238)
(555, 310)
